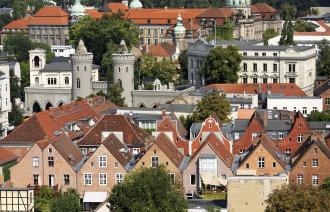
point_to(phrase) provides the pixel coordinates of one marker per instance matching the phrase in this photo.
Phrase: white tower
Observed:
(123, 72)
(179, 32)
(37, 62)
(77, 11)
(82, 62)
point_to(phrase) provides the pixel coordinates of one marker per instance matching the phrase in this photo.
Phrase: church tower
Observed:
(77, 11)
(123, 72)
(82, 62)
(179, 33)
(37, 62)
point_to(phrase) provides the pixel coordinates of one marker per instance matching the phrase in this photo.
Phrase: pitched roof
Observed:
(269, 145)
(51, 11)
(6, 156)
(132, 134)
(322, 88)
(68, 149)
(101, 104)
(287, 89)
(162, 50)
(117, 6)
(216, 13)
(310, 141)
(18, 24)
(169, 148)
(262, 8)
(218, 147)
(50, 15)
(118, 149)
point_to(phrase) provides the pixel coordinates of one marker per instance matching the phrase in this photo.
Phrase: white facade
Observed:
(63, 51)
(305, 105)
(262, 64)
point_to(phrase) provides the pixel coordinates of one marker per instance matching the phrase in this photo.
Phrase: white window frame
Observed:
(85, 178)
(300, 179)
(280, 135)
(35, 161)
(261, 162)
(84, 151)
(101, 181)
(300, 138)
(103, 161)
(236, 136)
(119, 177)
(37, 179)
(315, 179)
(315, 163)
(116, 165)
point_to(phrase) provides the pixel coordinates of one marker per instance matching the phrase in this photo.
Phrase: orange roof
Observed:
(262, 8)
(94, 13)
(6, 156)
(51, 11)
(245, 113)
(18, 24)
(162, 50)
(287, 89)
(324, 25)
(116, 7)
(312, 33)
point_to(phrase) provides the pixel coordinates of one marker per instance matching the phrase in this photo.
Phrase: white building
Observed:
(62, 51)
(304, 104)
(261, 64)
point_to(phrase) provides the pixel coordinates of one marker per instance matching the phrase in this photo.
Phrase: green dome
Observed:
(77, 9)
(179, 28)
(238, 3)
(135, 4)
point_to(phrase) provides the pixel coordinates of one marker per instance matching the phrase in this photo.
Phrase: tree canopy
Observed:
(183, 61)
(114, 95)
(222, 65)
(68, 201)
(299, 197)
(268, 34)
(304, 26)
(148, 189)
(319, 116)
(323, 60)
(288, 14)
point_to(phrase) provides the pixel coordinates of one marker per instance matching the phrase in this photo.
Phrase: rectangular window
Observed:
(300, 138)
(274, 67)
(119, 177)
(314, 109)
(236, 136)
(264, 54)
(275, 80)
(315, 179)
(327, 101)
(274, 164)
(275, 54)
(280, 135)
(261, 162)
(35, 161)
(244, 66)
(208, 165)
(192, 180)
(247, 166)
(103, 178)
(315, 163)
(66, 179)
(154, 161)
(172, 177)
(300, 179)
(255, 67)
(304, 164)
(244, 80)
(244, 54)
(103, 161)
(264, 80)
(255, 80)
(256, 54)
(87, 179)
(51, 161)
(292, 80)
(265, 67)
(35, 179)
(304, 110)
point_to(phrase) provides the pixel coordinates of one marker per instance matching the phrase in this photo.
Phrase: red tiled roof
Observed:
(51, 11)
(50, 15)
(162, 50)
(115, 147)
(132, 135)
(6, 156)
(18, 24)
(262, 8)
(169, 148)
(100, 104)
(324, 25)
(218, 147)
(116, 7)
(287, 89)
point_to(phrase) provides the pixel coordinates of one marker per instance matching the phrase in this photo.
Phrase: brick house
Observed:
(163, 152)
(310, 163)
(107, 166)
(125, 129)
(174, 129)
(210, 125)
(51, 162)
(296, 136)
(324, 92)
(211, 163)
(262, 158)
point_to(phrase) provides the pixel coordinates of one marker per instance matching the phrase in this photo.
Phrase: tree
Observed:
(18, 44)
(299, 198)
(114, 95)
(326, 184)
(68, 201)
(225, 31)
(319, 116)
(43, 199)
(5, 19)
(25, 77)
(288, 14)
(268, 34)
(49, 53)
(323, 60)
(222, 65)
(315, 11)
(15, 115)
(304, 26)
(148, 189)
(183, 61)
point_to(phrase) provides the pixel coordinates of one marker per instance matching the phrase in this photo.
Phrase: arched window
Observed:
(118, 69)
(120, 84)
(78, 83)
(36, 80)
(36, 61)
(66, 80)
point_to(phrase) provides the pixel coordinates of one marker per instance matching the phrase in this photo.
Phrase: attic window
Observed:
(315, 150)
(274, 164)
(142, 163)
(116, 164)
(50, 150)
(155, 151)
(210, 125)
(177, 139)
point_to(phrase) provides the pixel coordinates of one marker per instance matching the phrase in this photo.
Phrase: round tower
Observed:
(179, 32)
(82, 62)
(135, 4)
(123, 72)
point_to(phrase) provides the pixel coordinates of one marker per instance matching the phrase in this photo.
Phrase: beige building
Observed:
(16, 199)
(249, 193)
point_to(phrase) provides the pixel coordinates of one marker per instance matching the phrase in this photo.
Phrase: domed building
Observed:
(77, 11)
(242, 7)
(135, 4)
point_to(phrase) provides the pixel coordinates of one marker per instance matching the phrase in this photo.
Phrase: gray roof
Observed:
(239, 100)
(183, 108)
(58, 66)
(278, 125)
(240, 124)
(195, 127)
(319, 125)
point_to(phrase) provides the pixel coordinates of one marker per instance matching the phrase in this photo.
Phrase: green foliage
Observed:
(323, 60)
(164, 70)
(288, 14)
(222, 65)
(148, 189)
(25, 77)
(315, 11)
(326, 184)
(15, 116)
(299, 198)
(268, 34)
(319, 116)
(44, 199)
(114, 95)
(18, 44)
(99, 35)
(68, 201)
(49, 54)
(226, 31)
(5, 19)
(6, 170)
(304, 26)
(183, 61)
(14, 86)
